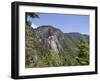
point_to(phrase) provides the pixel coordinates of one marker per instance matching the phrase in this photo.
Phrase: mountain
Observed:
(50, 37)
(73, 38)
(48, 46)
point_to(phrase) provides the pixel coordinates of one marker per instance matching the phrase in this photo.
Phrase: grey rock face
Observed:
(51, 37)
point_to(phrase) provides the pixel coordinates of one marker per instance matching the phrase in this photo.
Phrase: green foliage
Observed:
(83, 56)
(39, 55)
(54, 59)
(32, 15)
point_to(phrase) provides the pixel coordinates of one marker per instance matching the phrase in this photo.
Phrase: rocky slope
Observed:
(51, 37)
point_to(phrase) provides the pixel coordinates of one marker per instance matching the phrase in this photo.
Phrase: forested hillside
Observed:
(47, 46)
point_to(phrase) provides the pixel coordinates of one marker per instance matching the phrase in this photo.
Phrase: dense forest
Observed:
(48, 46)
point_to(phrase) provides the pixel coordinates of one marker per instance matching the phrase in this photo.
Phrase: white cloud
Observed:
(33, 25)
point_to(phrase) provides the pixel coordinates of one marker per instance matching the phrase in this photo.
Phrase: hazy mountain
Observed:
(49, 46)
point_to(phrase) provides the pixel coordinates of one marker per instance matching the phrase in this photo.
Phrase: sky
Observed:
(65, 22)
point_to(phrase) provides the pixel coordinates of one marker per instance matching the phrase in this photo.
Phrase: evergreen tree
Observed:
(31, 15)
(83, 56)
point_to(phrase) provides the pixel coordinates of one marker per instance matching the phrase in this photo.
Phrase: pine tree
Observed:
(31, 15)
(83, 56)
